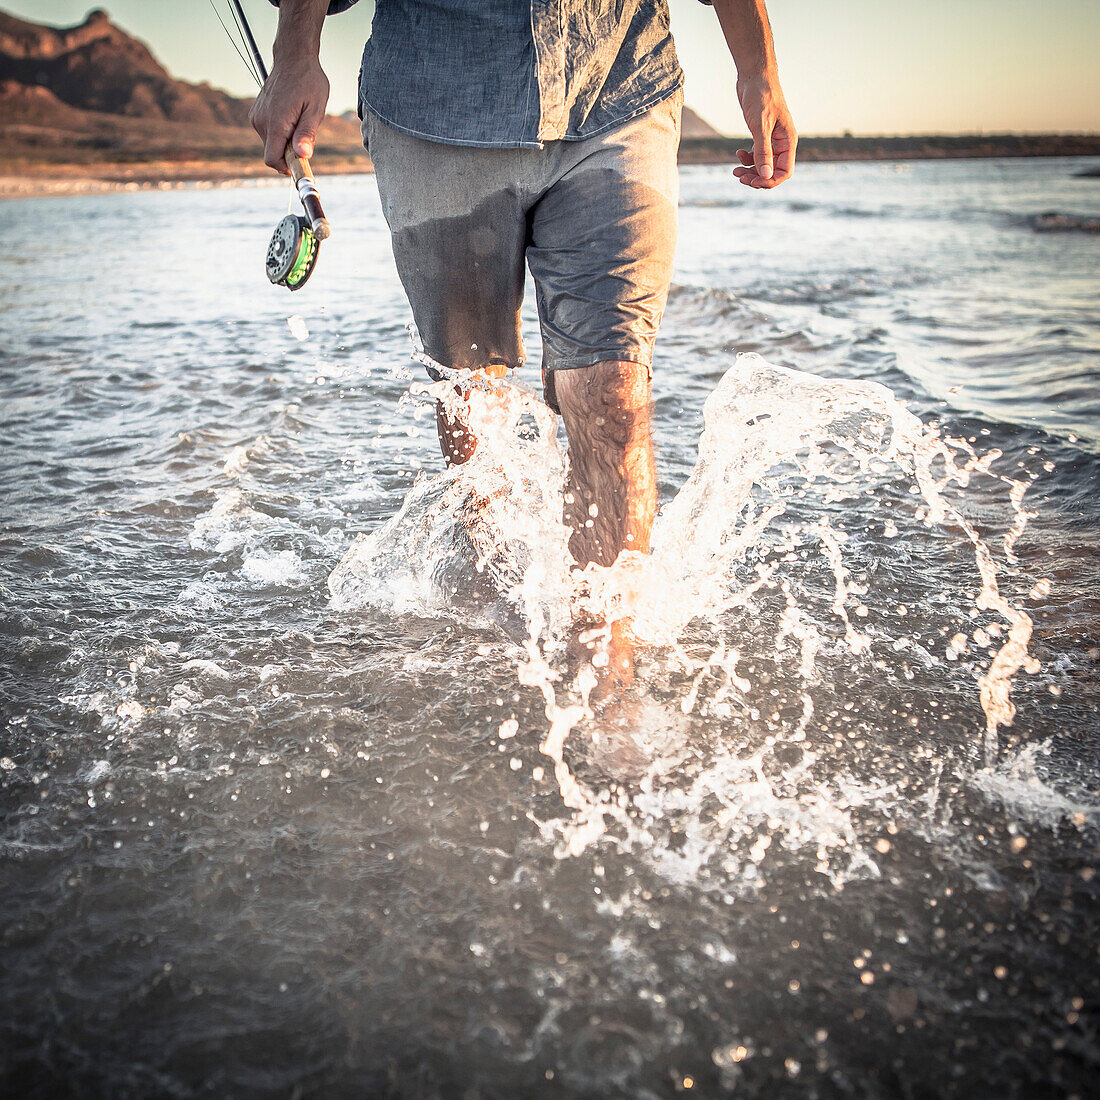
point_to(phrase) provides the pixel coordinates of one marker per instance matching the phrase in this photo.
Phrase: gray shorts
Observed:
(594, 220)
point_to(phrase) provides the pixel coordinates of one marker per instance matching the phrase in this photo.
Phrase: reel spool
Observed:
(292, 253)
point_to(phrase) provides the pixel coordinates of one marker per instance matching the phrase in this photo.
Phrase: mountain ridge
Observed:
(92, 95)
(96, 66)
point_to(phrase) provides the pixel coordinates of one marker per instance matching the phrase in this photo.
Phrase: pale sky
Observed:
(869, 66)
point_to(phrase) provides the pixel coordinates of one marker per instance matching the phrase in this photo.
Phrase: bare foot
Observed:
(609, 651)
(613, 734)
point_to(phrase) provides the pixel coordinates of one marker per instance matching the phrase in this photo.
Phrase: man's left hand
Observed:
(774, 140)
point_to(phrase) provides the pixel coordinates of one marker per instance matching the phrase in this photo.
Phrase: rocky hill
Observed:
(693, 126)
(98, 67)
(92, 96)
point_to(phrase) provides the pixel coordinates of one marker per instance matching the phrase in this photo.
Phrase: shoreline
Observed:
(43, 180)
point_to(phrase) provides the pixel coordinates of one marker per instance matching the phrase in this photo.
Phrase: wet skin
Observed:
(612, 489)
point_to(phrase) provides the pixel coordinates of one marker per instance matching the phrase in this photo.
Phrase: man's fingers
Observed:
(782, 171)
(746, 171)
(762, 153)
(749, 178)
(305, 133)
(274, 134)
(785, 142)
(275, 141)
(303, 139)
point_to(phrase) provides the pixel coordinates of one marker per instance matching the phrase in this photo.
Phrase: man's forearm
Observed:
(774, 140)
(749, 37)
(299, 33)
(291, 104)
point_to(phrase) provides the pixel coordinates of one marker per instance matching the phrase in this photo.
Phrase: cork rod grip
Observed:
(302, 175)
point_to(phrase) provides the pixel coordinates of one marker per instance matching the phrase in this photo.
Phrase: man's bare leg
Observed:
(456, 440)
(612, 491)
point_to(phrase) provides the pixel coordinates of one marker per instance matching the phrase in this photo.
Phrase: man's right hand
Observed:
(290, 108)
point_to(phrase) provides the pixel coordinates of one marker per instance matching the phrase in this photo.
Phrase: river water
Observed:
(297, 796)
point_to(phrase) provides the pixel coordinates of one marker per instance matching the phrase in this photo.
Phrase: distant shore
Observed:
(55, 177)
(909, 147)
(97, 178)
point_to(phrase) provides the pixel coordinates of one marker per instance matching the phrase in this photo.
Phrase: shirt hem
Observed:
(474, 143)
(641, 109)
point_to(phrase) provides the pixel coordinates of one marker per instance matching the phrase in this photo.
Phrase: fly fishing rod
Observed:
(292, 253)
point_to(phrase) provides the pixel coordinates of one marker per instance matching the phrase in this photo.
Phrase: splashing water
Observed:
(252, 837)
(762, 557)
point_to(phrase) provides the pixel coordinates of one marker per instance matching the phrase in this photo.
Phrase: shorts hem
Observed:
(605, 355)
(436, 376)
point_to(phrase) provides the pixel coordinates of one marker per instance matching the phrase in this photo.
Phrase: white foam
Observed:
(492, 529)
(266, 568)
(99, 769)
(240, 456)
(1017, 783)
(229, 525)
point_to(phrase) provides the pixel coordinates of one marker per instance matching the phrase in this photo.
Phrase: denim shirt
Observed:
(515, 73)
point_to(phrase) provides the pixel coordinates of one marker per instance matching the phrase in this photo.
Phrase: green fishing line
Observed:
(300, 268)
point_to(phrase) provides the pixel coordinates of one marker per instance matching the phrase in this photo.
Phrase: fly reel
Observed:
(292, 253)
